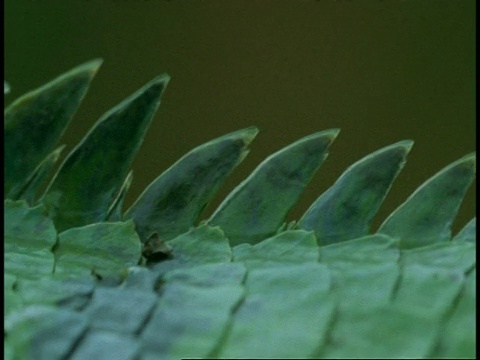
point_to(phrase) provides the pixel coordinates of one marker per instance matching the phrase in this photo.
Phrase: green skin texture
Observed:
(86, 170)
(241, 283)
(346, 210)
(41, 114)
(259, 205)
(172, 203)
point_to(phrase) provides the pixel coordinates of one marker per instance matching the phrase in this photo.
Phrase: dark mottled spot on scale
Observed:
(156, 249)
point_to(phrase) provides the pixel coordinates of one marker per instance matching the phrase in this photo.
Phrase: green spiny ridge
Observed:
(87, 279)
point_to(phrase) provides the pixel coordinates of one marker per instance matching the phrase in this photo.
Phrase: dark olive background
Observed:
(382, 71)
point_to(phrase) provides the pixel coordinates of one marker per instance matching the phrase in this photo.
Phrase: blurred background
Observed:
(382, 71)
